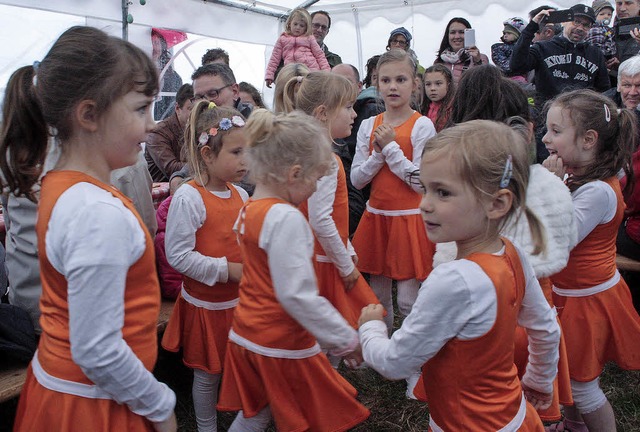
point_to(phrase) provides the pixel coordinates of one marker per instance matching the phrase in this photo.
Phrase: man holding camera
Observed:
(626, 45)
(562, 63)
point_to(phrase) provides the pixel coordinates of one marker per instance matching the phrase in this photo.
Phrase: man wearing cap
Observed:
(321, 23)
(566, 62)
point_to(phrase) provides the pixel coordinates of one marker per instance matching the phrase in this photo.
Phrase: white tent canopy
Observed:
(248, 29)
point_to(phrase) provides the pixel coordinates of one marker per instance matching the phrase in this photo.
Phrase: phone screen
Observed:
(469, 38)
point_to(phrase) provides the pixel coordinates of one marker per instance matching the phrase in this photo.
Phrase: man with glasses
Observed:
(216, 83)
(562, 63)
(321, 23)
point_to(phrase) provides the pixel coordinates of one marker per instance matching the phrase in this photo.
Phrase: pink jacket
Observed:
(297, 49)
(170, 279)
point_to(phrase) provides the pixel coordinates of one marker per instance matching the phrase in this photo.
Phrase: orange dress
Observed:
(488, 395)
(202, 330)
(394, 246)
(330, 283)
(42, 409)
(294, 378)
(594, 303)
(562, 384)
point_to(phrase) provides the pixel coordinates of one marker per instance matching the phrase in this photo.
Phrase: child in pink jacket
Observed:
(297, 45)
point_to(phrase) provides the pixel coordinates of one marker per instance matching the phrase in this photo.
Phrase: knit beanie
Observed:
(598, 5)
(402, 31)
(514, 26)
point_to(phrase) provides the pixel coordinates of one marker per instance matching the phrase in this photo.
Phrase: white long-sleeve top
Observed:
(595, 203)
(324, 227)
(294, 278)
(458, 300)
(366, 163)
(92, 240)
(187, 214)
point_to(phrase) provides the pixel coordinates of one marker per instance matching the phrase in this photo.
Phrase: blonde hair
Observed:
(318, 88)
(397, 55)
(278, 142)
(204, 116)
(298, 13)
(286, 73)
(480, 150)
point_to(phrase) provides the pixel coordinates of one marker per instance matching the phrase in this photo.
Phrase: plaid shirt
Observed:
(601, 36)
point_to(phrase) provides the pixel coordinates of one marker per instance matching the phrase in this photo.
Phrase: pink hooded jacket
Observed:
(170, 279)
(297, 49)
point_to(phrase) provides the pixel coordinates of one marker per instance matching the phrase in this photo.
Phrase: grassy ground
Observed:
(390, 410)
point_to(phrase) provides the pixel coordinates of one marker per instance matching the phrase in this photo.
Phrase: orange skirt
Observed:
(561, 385)
(348, 303)
(41, 409)
(600, 328)
(201, 333)
(303, 394)
(393, 246)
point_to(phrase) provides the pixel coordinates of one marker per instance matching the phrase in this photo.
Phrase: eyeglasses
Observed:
(584, 24)
(322, 27)
(402, 43)
(209, 95)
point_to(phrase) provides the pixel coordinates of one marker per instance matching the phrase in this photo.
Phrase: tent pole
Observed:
(125, 23)
(308, 3)
(356, 21)
(232, 4)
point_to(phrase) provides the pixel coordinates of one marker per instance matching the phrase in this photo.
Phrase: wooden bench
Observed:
(12, 380)
(627, 264)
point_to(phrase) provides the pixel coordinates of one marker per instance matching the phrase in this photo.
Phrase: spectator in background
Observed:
(217, 83)
(250, 95)
(547, 31)
(321, 23)
(626, 45)
(601, 34)
(215, 55)
(163, 150)
(401, 38)
(501, 52)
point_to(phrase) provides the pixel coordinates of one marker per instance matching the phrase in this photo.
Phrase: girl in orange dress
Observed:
(329, 98)
(100, 292)
(274, 364)
(591, 140)
(462, 326)
(390, 240)
(201, 245)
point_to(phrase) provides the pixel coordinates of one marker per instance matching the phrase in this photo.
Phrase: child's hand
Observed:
(538, 399)
(354, 359)
(351, 279)
(555, 164)
(370, 313)
(354, 258)
(269, 82)
(169, 425)
(235, 271)
(376, 146)
(384, 134)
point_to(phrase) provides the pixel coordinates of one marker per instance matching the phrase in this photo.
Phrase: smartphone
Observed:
(559, 16)
(625, 25)
(469, 38)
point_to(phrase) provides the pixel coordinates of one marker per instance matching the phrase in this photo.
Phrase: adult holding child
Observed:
(454, 54)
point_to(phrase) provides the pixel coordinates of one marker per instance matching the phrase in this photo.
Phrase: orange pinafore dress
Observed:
(330, 283)
(391, 239)
(486, 396)
(42, 409)
(562, 384)
(202, 315)
(594, 303)
(292, 377)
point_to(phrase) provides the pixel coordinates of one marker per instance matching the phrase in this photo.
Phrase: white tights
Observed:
(257, 423)
(407, 294)
(205, 398)
(588, 396)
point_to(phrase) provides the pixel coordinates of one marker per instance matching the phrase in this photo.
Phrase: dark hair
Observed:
(185, 92)
(255, 94)
(83, 64)
(325, 13)
(372, 64)
(215, 54)
(481, 95)
(445, 108)
(444, 44)
(216, 69)
(617, 136)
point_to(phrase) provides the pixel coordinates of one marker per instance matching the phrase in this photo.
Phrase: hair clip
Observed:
(237, 121)
(607, 113)
(508, 172)
(212, 105)
(299, 78)
(36, 66)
